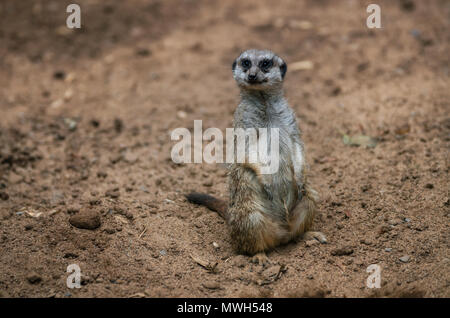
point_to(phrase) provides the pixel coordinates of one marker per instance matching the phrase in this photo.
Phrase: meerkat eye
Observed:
(266, 64)
(246, 63)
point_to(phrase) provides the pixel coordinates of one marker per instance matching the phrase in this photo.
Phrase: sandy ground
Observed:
(85, 125)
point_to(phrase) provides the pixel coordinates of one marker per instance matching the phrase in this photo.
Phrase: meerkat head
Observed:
(259, 70)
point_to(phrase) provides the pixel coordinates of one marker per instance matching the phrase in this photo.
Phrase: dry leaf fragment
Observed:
(33, 214)
(212, 267)
(121, 219)
(300, 24)
(53, 212)
(403, 130)
(301, 66)
(359, 140)
(137, 295)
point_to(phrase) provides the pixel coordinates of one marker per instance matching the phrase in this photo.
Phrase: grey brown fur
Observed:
(266, 210)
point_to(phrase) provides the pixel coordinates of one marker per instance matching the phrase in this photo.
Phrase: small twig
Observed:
(340, 267)
(212, 267)
(143, 232)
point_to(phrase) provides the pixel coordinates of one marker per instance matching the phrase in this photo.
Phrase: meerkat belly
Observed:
(282, 185)
(297, 157)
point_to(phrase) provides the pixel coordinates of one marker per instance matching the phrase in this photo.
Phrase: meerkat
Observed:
(266, 210)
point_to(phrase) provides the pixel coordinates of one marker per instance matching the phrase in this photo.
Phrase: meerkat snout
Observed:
(252, 77)
(259, 69)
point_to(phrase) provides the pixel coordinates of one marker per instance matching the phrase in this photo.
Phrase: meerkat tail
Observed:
(212, 203)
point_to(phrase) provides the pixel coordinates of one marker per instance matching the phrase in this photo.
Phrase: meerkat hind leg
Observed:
(260, 258)
(310, 235)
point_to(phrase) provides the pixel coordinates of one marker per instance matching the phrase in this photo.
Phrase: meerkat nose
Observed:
(251, 77)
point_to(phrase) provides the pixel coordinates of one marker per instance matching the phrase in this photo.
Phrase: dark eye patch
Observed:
(265, 64)
(283, 69)
(246, 63)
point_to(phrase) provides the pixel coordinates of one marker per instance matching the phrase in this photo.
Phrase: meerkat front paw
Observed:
(261, 259)
(315, 235)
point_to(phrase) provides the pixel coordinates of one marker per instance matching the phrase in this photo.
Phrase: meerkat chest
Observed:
(297, 157)
(292, 151)
(274, 125)
(285, 182)
(289, 151)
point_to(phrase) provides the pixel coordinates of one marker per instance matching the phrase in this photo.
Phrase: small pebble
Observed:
(405, 259)
(110, 230)
(208, 183)
(102, 174)
(118, 125)
(143, 52)
(113, 193)
(59, 75)
(346, 250)
(34, 278)
(85, 219)
(394, 222)
(211, 285)
(72, 209)
(70, 123)
(181, 114)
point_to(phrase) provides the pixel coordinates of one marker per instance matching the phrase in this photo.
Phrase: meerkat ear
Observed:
(283, 69)
(234, 65)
